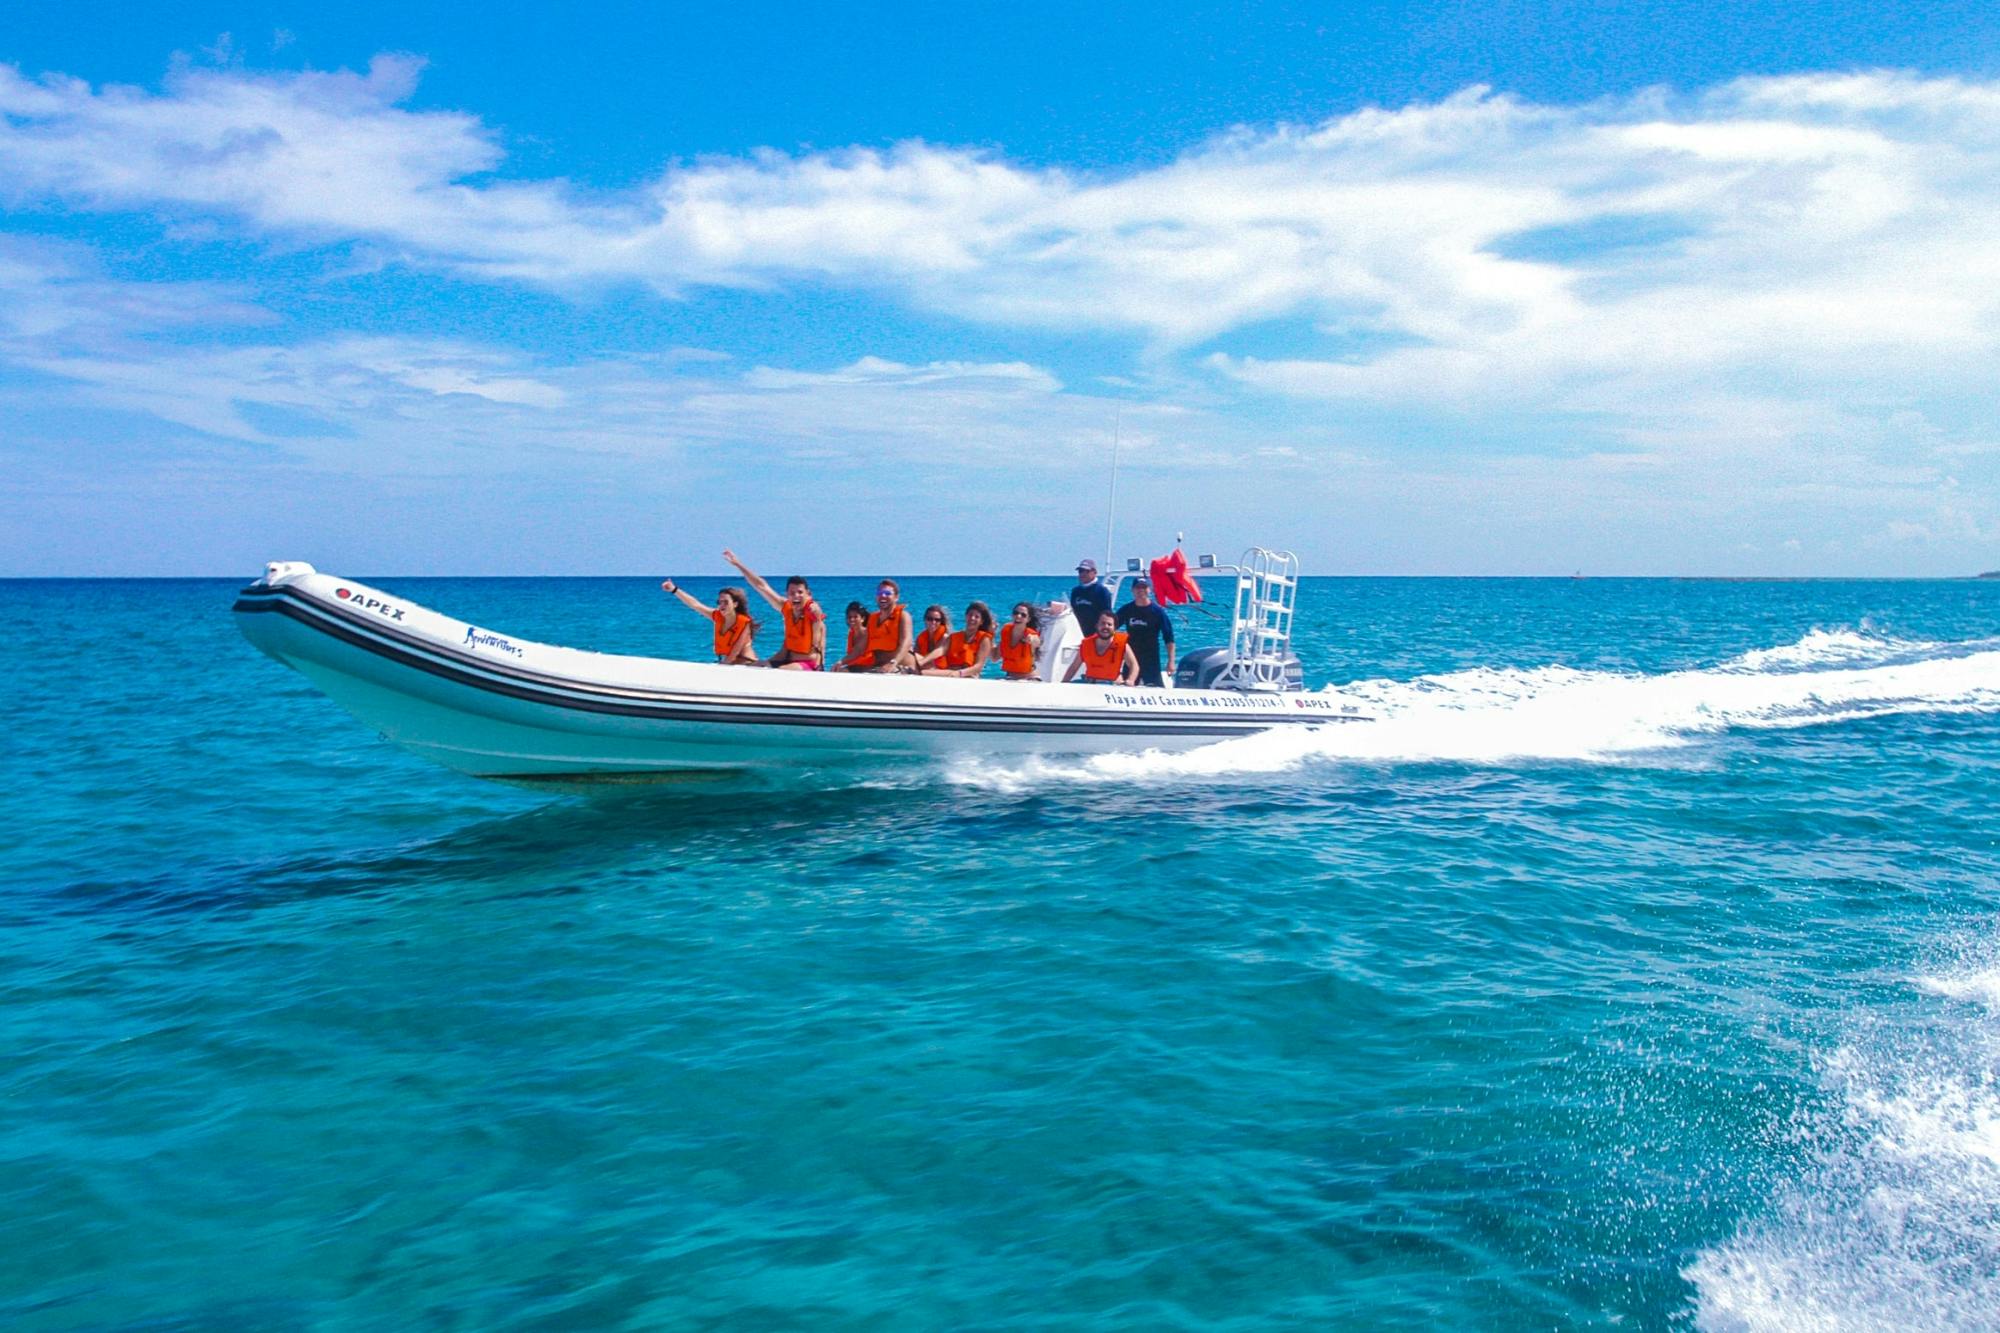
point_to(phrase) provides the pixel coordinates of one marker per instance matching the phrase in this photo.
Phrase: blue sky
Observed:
(1428, 288)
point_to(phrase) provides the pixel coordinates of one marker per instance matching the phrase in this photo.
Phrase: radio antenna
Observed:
(1111, 508)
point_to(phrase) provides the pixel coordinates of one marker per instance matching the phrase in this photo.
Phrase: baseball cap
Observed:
(1087, 563)
(1142, 582)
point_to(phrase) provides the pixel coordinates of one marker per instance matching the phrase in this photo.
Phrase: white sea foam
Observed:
(1822, 648)
(1894, 1229)
(1491, 715)
(1895, 1221)
(1977, 988)
(1972, 976)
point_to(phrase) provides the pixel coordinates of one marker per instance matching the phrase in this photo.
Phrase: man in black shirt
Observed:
(1089, 599)
(1146, 626)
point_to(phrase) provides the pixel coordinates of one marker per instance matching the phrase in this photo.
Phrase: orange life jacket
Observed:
(799, 627)
(1017, 652)
(727, 640)
(857, 649)
(961, 650)
(885, 630)
(928, 640)
(1106, 665)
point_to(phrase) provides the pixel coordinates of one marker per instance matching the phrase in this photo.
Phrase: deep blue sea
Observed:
(1636, 968)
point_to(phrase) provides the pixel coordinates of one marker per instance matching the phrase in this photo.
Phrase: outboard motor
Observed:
(1204, 669)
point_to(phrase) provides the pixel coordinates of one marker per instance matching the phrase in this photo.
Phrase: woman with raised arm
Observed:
(930, 642)
(1020, 640)
(966, 651)
(734, 629)
(805, 623)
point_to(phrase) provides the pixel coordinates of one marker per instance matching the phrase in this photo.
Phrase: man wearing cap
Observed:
(1089, 599)
(1146, 627)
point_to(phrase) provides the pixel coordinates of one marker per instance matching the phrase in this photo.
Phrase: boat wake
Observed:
(1491, 715)
(1894, 1221)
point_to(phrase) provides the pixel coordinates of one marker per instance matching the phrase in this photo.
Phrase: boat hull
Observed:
(500, 707)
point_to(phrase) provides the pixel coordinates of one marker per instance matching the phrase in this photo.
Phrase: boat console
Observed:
(1258, 657)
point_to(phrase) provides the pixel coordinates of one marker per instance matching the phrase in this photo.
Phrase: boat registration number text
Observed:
(1203, 699)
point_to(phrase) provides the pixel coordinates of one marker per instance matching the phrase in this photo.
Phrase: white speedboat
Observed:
(487, 703)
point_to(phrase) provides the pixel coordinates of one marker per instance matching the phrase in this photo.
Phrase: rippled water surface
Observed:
(1636, 967)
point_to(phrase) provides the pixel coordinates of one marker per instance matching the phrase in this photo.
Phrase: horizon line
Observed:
(1983, 576)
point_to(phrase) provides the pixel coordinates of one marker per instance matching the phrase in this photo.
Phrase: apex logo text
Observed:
(375, 604)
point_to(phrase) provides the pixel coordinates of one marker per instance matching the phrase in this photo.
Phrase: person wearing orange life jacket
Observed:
(804, 622)
(1020, 640)
(931, 639)
(889, 631)
(734, 629)
(966, 651)
(858, 657)
(1105, 658)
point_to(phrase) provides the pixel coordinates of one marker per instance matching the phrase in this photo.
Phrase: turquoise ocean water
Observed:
(1637, 969)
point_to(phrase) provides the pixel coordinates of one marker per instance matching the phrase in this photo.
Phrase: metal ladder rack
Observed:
(1260, 639)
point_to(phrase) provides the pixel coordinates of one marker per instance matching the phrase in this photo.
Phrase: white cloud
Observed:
(452, 369)
(58, 293)
(874, 371)
(325, 156)
(418, 405)
(361, 403)
(1769, 292)
(1809, 211)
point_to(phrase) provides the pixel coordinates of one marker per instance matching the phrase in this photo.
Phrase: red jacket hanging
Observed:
(1172, 584)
